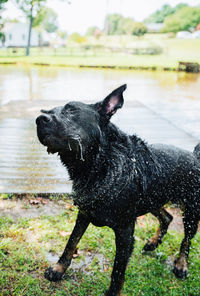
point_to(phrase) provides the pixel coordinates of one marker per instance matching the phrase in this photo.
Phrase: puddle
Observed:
(170, 261)
(52, 258)
(86, 261)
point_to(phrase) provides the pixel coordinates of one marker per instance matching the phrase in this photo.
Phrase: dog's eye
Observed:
(69, 108)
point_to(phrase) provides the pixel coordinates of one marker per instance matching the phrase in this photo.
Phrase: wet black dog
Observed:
(117, 178)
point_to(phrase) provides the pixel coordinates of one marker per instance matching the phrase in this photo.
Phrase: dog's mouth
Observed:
(49, 142)
(63, 145)
(51, 149)
(55, 144)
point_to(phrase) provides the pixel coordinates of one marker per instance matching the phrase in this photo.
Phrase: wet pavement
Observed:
(25, 166)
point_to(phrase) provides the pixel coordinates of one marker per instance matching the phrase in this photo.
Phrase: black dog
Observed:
(117, 178)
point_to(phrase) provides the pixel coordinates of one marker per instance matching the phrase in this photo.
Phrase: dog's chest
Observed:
(105, 211)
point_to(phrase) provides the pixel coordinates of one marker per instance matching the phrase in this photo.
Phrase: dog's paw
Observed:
(180, 268)
(150, 246)
(55, 273)
(180, 273)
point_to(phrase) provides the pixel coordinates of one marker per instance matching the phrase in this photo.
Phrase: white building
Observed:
(16, 35)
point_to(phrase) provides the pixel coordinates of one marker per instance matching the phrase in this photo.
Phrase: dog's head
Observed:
(77, 127)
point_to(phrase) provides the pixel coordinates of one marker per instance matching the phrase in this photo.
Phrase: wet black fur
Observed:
(117, 177)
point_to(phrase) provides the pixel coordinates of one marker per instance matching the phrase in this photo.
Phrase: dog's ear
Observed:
(45, 111)
(112, 102)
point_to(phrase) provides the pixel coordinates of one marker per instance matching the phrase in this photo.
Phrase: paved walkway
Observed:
(25, 166)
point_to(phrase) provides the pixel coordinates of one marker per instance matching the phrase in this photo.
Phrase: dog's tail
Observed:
(196, 151)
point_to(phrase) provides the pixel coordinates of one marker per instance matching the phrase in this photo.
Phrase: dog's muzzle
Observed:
(43, 119)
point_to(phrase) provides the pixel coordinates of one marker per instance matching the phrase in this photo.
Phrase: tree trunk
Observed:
(29, 32)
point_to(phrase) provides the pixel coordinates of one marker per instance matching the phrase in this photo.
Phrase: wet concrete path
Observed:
(25, 166)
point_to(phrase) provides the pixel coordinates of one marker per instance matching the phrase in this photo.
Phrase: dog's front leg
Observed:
(124, 246)
(56, 272)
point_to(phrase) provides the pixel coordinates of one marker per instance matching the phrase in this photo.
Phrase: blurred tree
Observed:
(116, 24)
(139, 29)
(2, 2)
(112, 24)
(46, 19)
(160, 15)
(183, 20)
(31, 9)
(2, 36)
(126, 25)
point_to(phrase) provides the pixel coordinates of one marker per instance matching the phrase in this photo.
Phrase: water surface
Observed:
(175, 96)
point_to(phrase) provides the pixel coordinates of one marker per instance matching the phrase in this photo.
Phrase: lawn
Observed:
(26, 242)
(174, 50)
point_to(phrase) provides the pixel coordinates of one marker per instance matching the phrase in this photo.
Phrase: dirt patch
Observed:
(176, 224)
(30, 208)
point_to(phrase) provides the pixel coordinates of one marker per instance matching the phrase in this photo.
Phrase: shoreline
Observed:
(113, 67)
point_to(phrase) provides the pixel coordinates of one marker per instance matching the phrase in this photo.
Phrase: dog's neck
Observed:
(95, 166)
(78, 165)
(91, 159)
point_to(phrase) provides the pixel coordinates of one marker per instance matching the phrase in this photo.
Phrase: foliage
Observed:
(30, 7)
(2, 2)
(116, 24)
(2, 35)
(166, 10)
(91, 31)
(183, 20)
(46, 19)
(125, 26)
(112, 21)
(62, 34)
(77, 38)
(139, 29)
(94, 31)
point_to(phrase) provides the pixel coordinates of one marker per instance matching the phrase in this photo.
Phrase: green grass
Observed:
(25, 243)
(117, 60)
(174, 50)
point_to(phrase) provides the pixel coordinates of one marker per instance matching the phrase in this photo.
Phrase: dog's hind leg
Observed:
(190, 227)
(164, 218)
(56, 272)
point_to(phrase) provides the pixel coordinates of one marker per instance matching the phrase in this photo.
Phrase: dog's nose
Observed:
(44, 118)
